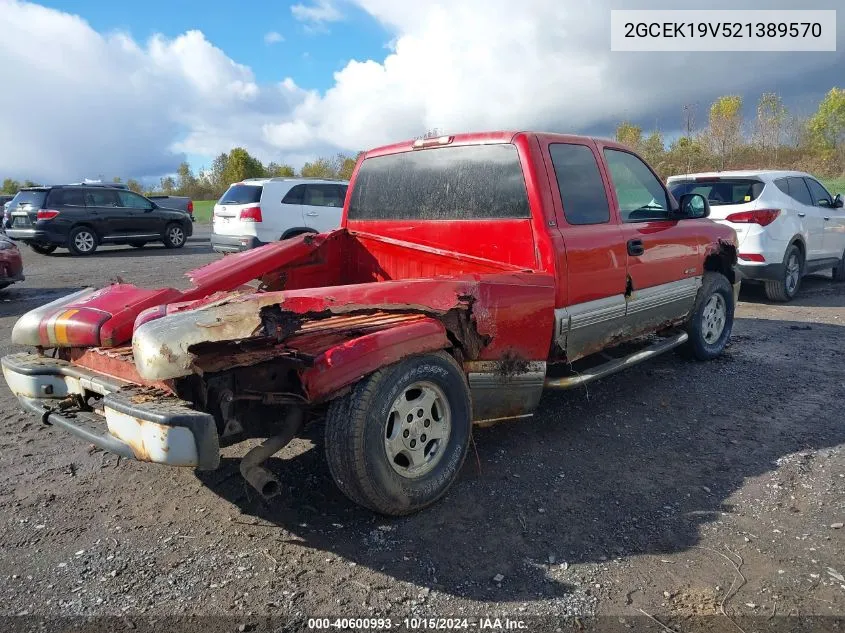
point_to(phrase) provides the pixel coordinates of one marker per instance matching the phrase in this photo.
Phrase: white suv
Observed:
(787, 224)
(257, 211)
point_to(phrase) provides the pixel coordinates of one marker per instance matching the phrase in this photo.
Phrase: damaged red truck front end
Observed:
(438, 304)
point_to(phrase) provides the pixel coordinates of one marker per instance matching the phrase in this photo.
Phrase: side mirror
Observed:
(693, 206)
(837, 201)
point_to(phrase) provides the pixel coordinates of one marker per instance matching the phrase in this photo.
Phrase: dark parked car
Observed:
(183, 203)
(11, 266)
(4, 199)
(81, 217)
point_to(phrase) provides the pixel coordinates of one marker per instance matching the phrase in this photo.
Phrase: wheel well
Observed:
(296, 231)
(722, 261)
(87, 226)
(797, 241)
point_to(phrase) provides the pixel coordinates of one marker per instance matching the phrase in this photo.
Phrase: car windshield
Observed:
(241, 194)
(32, 198)
(719, 191)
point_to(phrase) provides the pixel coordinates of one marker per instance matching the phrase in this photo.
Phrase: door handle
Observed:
(801, 215)
(312, 213)
(635, 247)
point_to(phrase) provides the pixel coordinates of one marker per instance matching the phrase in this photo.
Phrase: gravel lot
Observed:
(672, 489)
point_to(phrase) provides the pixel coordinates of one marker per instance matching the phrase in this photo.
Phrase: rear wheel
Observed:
(712, 318)
(82, 241)
(786, 288)
(839, 271)
(174, 236)
(42, 248)
(397, 440)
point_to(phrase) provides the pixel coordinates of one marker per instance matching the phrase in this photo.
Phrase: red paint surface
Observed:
(11, 264)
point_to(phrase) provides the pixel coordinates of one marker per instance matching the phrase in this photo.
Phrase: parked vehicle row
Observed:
(787, 224)
(468, 274)
(11, 265)
(258, 211)
(81, 217)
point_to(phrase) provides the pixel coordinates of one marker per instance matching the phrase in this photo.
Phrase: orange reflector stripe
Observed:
(61, 326)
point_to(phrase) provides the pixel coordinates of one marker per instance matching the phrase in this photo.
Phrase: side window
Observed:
(641, 196)
(783, 185)
(323, 196)
(820, 195)
(67, 198)
(798, 191)
(101, 198)
(295, 195)
(133, 200)
(581, 188)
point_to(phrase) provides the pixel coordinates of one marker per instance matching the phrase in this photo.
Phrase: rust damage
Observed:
(511, 364)
(281, 330)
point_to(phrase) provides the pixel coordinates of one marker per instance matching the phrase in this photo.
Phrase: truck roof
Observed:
(479, 138)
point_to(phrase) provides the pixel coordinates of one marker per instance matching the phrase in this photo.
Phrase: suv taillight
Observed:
(251, 214)
(191, 207)
(46, 214)
(763, 217)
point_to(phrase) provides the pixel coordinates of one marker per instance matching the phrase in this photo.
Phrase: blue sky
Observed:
(310, 58)
(131, 89)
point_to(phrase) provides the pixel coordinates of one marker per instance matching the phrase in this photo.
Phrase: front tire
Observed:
(710, 324)
(82, 241)
(42, 248)
(786, 288)
(397, 440)
(174, 235)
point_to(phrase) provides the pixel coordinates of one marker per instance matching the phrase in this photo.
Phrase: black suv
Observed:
(81, 217)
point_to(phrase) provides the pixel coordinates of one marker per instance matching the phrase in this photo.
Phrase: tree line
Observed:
(773, 139)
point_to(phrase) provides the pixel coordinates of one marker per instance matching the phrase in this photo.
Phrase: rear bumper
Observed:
(130, 421)
(234, 243)
(36, 235)
(771, 272)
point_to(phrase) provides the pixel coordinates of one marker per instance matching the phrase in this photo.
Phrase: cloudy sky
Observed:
(89, 87)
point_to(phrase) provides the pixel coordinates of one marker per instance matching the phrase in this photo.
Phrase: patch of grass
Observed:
(203, 210)
(834, 185)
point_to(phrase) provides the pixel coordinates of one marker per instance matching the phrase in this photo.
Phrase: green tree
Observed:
(347, 166)
(134, 185)
(629, 134)
(827, 125)
(217, 176)
(768, 128)
(653, 150)
(30, 183)
(725, 131)
(116, 180)
(241, 165)
(186, 182)
(275, 170)
(11, 186)
(168, 185)
(320, 168)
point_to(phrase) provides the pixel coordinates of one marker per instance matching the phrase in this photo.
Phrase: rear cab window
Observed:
(719, 191)
(242, 194)
(582, 192)
(469, 182)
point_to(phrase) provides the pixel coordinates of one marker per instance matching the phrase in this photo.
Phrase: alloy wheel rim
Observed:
(417, 429)
(714, 318)
(176, 236)
(84, 241)
(793, 273)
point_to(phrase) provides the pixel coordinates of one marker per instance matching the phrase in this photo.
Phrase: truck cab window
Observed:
(582, 192)
(640, 195)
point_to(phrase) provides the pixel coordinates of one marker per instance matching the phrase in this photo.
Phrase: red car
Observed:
(469, 273)
(11, 266)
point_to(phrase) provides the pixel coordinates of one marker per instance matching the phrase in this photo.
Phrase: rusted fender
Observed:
(348, 362)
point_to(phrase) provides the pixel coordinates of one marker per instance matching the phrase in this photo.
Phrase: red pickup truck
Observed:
(470, 272)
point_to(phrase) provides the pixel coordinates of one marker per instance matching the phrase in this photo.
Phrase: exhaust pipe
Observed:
(256, 475)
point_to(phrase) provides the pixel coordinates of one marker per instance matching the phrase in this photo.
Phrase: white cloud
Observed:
(273, 37)
(106, 104)
(317, 13)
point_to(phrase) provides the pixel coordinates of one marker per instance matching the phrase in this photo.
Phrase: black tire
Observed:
(174, 235)
(41, 248)
(356, 425)
(839, 271)
(785, 289)
(701, 345)
(82, 241)
(137, 244)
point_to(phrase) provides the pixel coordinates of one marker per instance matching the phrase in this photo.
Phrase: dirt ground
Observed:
(677, 489)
